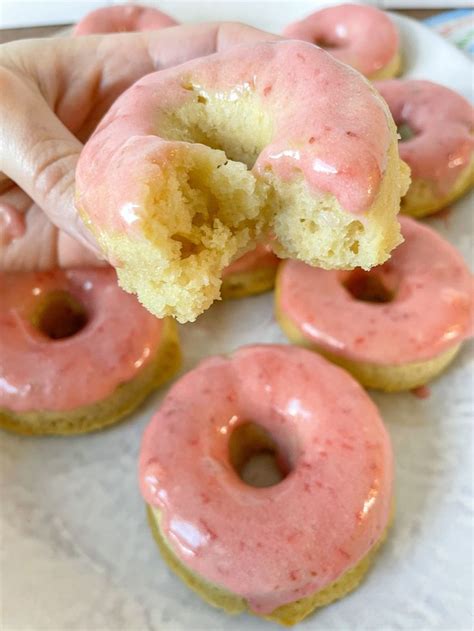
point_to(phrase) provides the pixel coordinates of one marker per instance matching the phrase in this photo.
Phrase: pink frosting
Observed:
(277, 544)
(131, 17)
(12, 223)
(37, 373)
(443, 124)
(358, 35)
(329, 125)
(432, 310)
(260, 257)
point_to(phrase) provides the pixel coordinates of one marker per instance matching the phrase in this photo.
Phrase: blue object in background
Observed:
(457, 26)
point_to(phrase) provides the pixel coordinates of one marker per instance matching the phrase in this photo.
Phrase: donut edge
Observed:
(286, 615)
(251, 283)
(422, 199)
(391, 69)
(389, 378)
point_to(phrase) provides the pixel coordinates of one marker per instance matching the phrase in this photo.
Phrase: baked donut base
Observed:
(288, 614)
(389, 378)
(251, 283)
(101, 414)
(392, 69)
(422, 199)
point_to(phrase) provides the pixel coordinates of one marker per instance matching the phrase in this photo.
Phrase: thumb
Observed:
(39, 153)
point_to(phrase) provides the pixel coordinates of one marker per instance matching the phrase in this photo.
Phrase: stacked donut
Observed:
(196, 183)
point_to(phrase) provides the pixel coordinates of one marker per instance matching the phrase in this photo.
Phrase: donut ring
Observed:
(358, 35)
(123, 19)
(220, 142)
(437, 142)
(395, 327)
(77, 353)
(283, 550)
(251, 274)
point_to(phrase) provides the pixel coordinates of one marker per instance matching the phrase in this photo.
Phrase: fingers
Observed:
(38, 244)
(35, 249)
(71, 253)
(55, 91)
(37, 151)
(172, 46)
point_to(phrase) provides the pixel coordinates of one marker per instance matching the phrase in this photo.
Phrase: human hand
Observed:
(54, 92)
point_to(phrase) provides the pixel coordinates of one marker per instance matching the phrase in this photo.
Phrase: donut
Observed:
(192, 165)
(125, 18)
(395, 327)
(283, 549)
(253, 273)
(360, 36)
(437, 142)
(77, 353)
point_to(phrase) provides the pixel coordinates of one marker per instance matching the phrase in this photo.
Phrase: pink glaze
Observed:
(361, 36)
(431, 312)
(260, 257)
(277, 544)
(422, 392)
(126, 18)
(37, 373)
(443, 123)
(329, 125)
(12, 223)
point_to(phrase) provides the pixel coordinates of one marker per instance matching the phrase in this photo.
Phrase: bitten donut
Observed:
(358, 35)
(395, 327)
(125, 18)
(437, 142)
(253, 273)
(193, 165)
(77, 353)
(279, 551)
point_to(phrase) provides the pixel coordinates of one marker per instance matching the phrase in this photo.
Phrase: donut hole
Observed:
(233, 122)
(326, 42)
(370, 286)
(59, 315)
(255, 456)
(405, 132)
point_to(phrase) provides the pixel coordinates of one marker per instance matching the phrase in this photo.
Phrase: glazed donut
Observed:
(125, 18)
(277, 135)
(253, 273)
(77, 353)
(283, 550)
(358, 35)
(437, 142)
(395, 327)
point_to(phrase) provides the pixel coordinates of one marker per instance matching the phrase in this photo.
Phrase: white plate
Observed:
(76, 551)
